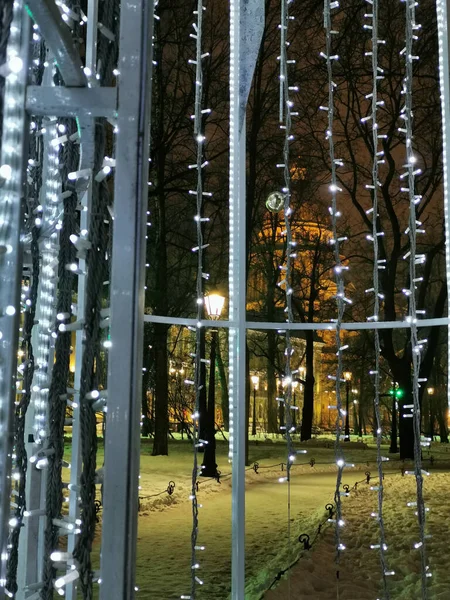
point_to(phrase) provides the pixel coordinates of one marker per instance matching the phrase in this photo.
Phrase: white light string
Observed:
(200, 164)
(49, 223)
(341, 299)
(416, 345)
(444, 79)
(11, 190)
(377, 159)
(286, 105)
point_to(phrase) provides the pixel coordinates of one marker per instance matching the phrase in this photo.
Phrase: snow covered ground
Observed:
(315, 574)
(165, 522)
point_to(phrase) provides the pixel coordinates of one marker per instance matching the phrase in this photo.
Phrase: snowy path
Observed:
(314, 577)
(163, 567)
(164, 541)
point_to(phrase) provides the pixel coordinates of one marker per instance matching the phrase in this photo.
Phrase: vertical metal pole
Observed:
(91, 36)
(12, 170)
(237, 292)
(246, 28)
(127, 304)
(443, 10)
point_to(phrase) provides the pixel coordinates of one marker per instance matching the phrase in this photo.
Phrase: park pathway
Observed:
(163, 567)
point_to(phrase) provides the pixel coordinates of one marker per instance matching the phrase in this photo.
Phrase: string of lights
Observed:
(414, 260)
(199, 193)
(25, 370)
(47, 218)
(377, 160)
(49, 223)
(341, 299)
(286, 105)
(12, 161)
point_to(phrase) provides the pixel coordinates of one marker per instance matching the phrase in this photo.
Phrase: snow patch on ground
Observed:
(359, 569)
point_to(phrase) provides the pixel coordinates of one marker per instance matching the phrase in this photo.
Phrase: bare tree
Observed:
(353, 143)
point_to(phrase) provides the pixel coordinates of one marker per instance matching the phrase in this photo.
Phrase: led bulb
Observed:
(5, 172)
(15, 64)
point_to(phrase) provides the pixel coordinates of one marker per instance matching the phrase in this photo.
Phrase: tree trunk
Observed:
(308, 399)
(160, 443)
(272, 424)
(202, 408)
(441, 416)
(356, 427)
(147, 425)
(209, 466)
(224, 399)
(393, 449)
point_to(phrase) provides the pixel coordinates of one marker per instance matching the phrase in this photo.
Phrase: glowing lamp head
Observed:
(347, 376)
(255, 381)
(214, 304)
(430, 391)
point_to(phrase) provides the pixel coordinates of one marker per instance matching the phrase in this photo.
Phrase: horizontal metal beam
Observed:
(58, 38)
(72, 101)
(262, 326)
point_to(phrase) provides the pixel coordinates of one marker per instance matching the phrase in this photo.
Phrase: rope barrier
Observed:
(304, 538)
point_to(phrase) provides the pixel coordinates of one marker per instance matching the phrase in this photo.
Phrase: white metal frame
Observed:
(132, 110)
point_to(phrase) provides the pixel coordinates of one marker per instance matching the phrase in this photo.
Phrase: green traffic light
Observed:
(398, 393)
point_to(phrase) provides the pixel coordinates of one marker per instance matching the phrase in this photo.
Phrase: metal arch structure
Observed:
(128, 105)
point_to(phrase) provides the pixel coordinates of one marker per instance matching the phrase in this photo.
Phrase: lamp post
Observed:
(255, 381)
(280, 404)
(294, 415)
(430, 391)
(397, 394)
(302, 381)
(214, 305)
(356, 420)
(348, 378)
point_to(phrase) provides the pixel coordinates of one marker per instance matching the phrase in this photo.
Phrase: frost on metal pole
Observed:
(246, 29)
(12, 171)
(442, 10)
(121, 469)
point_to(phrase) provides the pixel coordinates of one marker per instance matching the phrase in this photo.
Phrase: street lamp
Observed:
(214, 304)
(430, 391)
(280, 386)
(255, 381)
(357, 427)
(348, 378)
